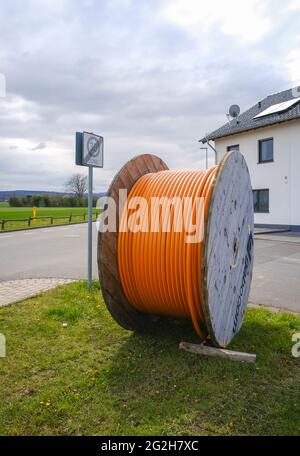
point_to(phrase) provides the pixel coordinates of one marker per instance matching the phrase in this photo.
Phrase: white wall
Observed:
(282, 176)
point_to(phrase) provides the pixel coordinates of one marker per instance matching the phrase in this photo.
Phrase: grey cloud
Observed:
(39, 146)
(125, 72)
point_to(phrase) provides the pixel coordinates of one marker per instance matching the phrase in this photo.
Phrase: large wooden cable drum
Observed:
(145, 275)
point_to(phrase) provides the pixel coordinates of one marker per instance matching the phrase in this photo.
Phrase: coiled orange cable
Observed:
(160, 272)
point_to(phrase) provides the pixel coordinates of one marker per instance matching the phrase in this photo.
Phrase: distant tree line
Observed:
(77, 184)
(49, 201)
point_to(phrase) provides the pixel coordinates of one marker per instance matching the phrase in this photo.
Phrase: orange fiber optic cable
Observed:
(160, 272)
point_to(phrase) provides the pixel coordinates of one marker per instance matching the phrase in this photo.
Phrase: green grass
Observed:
(93, 377)
(13, 213)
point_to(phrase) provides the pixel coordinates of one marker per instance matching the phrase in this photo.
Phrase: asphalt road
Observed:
(61, 252)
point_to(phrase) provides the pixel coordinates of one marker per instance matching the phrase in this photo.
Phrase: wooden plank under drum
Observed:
(202, 349)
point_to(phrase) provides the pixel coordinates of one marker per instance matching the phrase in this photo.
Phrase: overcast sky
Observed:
(149, 75)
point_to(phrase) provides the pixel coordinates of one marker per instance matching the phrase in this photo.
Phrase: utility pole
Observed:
(206, 157)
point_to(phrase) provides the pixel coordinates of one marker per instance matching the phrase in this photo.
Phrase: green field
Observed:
(94, 378)
(14, 213)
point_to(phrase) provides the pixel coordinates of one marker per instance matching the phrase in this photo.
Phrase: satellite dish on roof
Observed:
(234, 110)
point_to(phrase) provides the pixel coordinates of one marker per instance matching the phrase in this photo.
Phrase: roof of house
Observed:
(246, 120)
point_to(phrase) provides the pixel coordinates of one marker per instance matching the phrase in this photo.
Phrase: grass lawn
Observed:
(12, 213)
(95, 378)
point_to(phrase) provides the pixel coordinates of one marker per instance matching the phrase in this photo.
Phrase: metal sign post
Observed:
(90, 226)
(89, 152)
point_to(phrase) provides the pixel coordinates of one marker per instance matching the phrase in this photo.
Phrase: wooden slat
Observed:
(202, 349)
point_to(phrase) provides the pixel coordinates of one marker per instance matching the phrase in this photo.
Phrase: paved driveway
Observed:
(276, 278)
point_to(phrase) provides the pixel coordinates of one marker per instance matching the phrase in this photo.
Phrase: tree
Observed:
(14, 201)
(77, 184)
(46, 200)
(36, 199)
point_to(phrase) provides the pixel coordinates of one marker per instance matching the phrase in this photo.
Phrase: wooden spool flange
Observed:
(227, 249)
(112, 291)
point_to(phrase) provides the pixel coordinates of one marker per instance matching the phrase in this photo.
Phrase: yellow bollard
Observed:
(34, 214)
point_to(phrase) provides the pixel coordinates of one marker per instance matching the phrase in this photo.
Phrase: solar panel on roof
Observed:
(279, 107)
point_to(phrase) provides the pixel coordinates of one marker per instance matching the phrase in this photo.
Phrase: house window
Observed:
(261, 200)
(265, 150)
(235, 147)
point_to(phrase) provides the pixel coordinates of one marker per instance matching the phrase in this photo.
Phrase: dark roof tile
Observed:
(247, 122)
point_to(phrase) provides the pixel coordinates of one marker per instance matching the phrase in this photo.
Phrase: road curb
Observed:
(286, 240)
(272, 309)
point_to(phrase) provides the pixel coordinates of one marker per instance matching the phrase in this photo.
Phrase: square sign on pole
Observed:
(89, 152)
(89, 149)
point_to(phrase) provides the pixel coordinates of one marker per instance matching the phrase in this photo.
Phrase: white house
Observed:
(268, 135)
